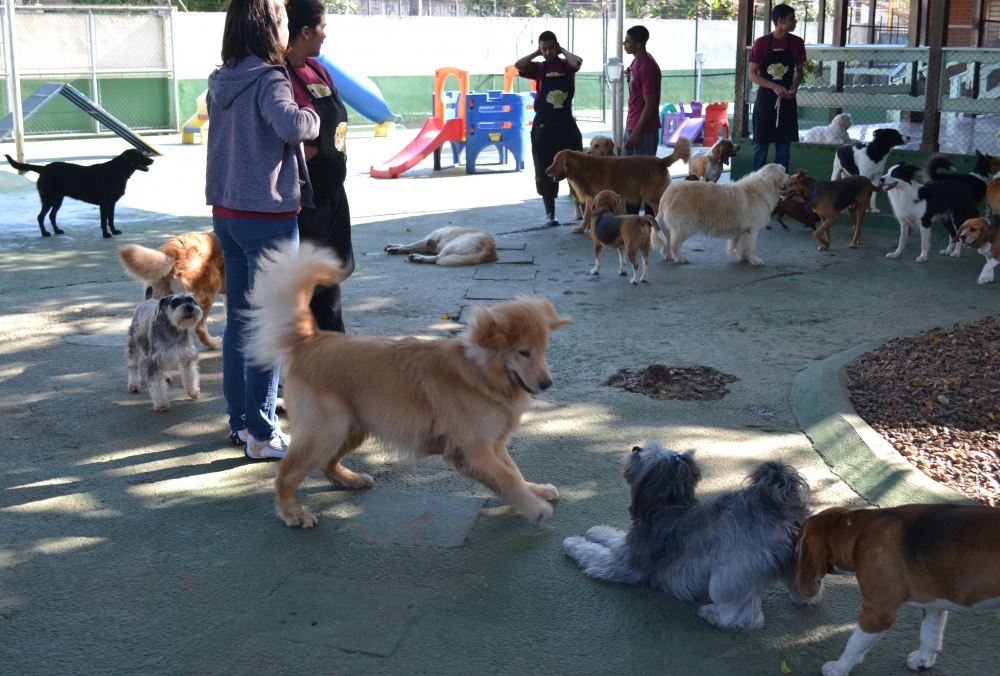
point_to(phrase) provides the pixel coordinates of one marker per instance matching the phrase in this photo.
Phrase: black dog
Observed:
(976, 179)
(100, 184)
(867, 159)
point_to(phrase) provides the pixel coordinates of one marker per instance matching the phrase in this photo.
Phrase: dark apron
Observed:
(554, 128)
(329, 223)
(774, 123)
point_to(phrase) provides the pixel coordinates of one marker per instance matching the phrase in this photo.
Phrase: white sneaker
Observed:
(238, 438)
(275, 447)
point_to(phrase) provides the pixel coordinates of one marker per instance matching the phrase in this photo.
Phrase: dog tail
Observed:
(280, 318)
(934, 165)
(146, 265)
(20, 166)
(682, 152)
(782, 485)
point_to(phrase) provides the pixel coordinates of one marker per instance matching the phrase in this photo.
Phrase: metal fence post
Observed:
(15, 80)
(94, 86)
(173, 72)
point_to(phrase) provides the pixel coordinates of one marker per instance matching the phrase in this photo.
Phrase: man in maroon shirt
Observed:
(643, 121)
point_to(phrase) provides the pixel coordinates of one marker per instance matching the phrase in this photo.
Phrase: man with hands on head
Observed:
(554, 128)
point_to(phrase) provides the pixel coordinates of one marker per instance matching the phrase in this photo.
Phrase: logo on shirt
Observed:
(554, 74)
(340, 138)
(556, 98)
(776, 70)
(319, 91)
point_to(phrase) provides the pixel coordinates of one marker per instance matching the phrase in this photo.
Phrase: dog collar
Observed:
(809, 203)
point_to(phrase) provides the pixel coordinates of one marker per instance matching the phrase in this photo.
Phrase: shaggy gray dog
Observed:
(161, 331)
(721, 554)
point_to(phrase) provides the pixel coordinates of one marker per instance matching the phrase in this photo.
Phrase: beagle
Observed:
(708, 166)
(627, 234)
(938, 558)
(983, 234)
(829, 198)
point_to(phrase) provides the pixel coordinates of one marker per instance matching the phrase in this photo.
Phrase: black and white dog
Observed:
(918, 205)
(867, 159)
(162, 333)
(721, 554)
(977, 179)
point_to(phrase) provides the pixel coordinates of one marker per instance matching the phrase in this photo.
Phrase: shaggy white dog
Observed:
(834, 133)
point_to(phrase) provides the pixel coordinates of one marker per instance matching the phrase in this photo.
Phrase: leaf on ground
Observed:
(784, 668)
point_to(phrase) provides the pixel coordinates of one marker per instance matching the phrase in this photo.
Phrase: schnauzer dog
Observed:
(161, 331)
(721, 554)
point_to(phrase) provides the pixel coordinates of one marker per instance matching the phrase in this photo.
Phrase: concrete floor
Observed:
(141, 543)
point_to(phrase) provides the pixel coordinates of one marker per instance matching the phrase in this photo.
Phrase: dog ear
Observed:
(572, 166)
(813, 556)
(552, 318)
(149, 292)
(485, 330)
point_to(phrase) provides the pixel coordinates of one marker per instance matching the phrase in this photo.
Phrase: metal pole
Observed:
(94, 88)
(617, 130)
(173, 71)
(15, 79)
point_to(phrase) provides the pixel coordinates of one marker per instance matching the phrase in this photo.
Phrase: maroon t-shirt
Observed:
(643, 78)
(311, 72)
(536, 71)
(793, 42)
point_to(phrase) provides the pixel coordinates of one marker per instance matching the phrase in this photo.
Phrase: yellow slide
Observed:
(198, 124)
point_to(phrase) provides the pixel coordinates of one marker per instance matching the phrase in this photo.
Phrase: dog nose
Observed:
(544, 385)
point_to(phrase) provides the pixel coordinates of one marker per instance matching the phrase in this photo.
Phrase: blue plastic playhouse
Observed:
(501, 119)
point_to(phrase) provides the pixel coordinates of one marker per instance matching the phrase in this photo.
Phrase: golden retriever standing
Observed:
(450, 246)
(461, 398)
(633, 178)
(190, 263)
(600, 146)
(734, 211)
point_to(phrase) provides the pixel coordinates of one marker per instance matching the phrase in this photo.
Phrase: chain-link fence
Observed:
(119, 57)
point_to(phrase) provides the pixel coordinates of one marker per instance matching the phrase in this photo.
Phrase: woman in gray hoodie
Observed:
(256, 183)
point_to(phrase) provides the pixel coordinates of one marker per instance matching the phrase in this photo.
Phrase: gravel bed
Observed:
(936, 398)
(692, 383)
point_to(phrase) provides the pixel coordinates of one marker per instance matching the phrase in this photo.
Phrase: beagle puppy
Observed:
(627, 234)
(939, 558)
(983, 234)
(708, 166)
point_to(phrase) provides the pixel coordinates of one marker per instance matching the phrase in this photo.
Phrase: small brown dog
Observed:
(797, 210)
(190, 263)
(627, 234)
(600, 146)
(939, 558)
(635, 178)
(983, 234)
(708, 166)
(829, 198)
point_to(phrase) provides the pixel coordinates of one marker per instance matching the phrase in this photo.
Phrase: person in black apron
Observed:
(329, 223)
(554, 128)
(778, 71)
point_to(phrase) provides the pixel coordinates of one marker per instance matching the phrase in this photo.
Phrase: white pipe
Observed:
(617, 122)
(12, 73)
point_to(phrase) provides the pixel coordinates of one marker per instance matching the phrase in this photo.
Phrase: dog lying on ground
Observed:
(160, 333)
(867, 159)
(977, 179)
(460, 398)
(834, 133)
(450, 246)
(829, 198)
(918, 205)
(938, 558)
(733, 211)
(795, 209)
(100, 184)
(721, 554)
(189, 263)
(708, 166)
(600, 146)
(627, 234)
(983, 235)
(635, 178)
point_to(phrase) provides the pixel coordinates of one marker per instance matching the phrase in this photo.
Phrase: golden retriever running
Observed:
(461, 398)
(734, 211)
(634, 178)
(450, 246)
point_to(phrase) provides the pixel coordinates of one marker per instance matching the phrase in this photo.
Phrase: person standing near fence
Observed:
(329, 222)
(256, 182)
(643, 121)
(554, 128)
(777, 61)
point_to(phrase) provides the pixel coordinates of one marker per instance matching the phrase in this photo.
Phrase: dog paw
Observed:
(392, 248)
(834, 669)
(595, 271)
(823, 247)
(873, 210)
(194, 394)
(214, 343)
(957, 253)
(634, 281)
(984, 279)
(680, 259)
(892, 254)
(756, 261)
(536, 511)
(106, 235)
(161, 408)
(916, 662)
(579, 228)
(298, 518)
(58, 231)
(922, 258)
(545, 491)
(622, 273)
(46, 233)
(134, 387)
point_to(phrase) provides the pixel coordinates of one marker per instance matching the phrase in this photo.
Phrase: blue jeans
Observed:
(250, 391)
(782, 155)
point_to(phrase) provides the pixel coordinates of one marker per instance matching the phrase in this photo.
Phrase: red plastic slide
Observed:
(431, 137)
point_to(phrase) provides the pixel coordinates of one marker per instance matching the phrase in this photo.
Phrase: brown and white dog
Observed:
(190, 263)
(627, 234)
(938, 558)
(993, 196)
(829, 198)
(708, 166)
(600, 146)
(634, 178)
(983, 235)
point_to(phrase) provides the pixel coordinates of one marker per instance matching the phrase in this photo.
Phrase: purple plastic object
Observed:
(696, 107)
(693, 129)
